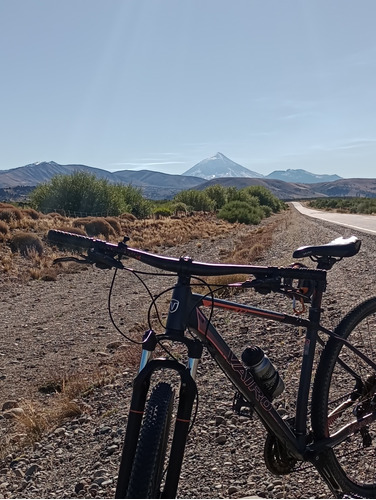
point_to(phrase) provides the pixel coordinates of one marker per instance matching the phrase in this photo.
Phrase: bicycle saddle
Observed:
(339, 247)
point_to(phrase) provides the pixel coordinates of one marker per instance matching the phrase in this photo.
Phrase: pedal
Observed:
(241, 406)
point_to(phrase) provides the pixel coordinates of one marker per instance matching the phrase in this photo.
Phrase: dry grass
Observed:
(147, 234)
(65, 398)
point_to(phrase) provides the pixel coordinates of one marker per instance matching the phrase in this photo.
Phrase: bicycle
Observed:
(339, 439)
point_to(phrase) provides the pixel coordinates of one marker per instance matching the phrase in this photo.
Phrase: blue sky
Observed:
(163, 84)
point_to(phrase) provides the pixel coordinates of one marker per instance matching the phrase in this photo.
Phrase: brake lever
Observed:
(103, 261)
(99, 259)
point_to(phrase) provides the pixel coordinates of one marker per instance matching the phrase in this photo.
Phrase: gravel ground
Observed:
(55, 328)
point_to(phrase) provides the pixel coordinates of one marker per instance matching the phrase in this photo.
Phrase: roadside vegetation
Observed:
(82, 193)
(83, 204)
(346, 205)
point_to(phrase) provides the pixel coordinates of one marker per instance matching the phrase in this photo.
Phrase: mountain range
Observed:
(219, 166)
(16, 183)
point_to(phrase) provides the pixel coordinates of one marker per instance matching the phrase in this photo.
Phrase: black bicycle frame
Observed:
(185, 313)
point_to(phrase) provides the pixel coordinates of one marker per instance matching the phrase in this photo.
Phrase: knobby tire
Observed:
(147, 471)
(352, 462)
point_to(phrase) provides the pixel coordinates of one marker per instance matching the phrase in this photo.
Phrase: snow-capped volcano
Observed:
(219, 166)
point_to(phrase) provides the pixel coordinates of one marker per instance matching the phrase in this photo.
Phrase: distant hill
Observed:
(365, 188)
(294, 191)
(16, 183)
(36, 173)
(283, 190)
(154, 185)
(301, 176)
(219, 166)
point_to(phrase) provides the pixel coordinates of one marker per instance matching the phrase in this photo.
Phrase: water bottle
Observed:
(263, 371)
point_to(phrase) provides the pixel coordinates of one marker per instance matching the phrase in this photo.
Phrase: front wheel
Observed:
(147, 470)
(345, 391)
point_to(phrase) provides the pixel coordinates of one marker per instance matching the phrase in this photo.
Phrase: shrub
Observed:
(3, 227)
(30, 212)
(128, 217)
(265, 197)
(25, 243)
(162, 211)
(56, 216)
(115, 224)
(179, 208)
(98, 226)
(196, 200)
(241, 211)
(74, 230)
(217, 194)
(10, 214)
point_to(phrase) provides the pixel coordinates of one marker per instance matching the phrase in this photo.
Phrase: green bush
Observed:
(195, 200)
(241, 211)
(218, 195)
(82, 192)
(179, 207)
(349, 205)
(162, 211)
(265, 197)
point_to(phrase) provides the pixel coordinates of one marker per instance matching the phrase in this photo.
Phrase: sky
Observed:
(164, 84)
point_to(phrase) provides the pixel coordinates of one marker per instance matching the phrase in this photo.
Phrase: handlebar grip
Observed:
(69, 239)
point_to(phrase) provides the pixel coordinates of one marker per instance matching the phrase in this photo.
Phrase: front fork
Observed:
(187, 394)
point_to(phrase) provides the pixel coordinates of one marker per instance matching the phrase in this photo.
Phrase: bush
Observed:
(74, 230)
(3, 227)
(241, 211)
(30, 212)
(115, 224)
(10, 214)
(82, 192)
(128, 217)
(162, 211)
(218, 194)
(179, 208)
(99, 226)
(25, 243)
(196, 200)
(265, 197)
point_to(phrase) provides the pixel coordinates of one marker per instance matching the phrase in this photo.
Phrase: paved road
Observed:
(366, 223)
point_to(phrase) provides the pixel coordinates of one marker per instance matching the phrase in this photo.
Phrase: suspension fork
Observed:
(187, 394)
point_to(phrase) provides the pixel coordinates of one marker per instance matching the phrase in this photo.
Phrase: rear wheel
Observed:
(147, 470)
(344, 392)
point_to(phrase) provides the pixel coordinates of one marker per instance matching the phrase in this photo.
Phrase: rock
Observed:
(79, 487)
(13, 413)
(114, 345)
(221, 439)
(232, 490)
(60, 431)
(30, 471)
(219, 420)
(10, 404)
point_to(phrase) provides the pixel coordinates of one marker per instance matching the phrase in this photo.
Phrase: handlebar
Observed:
(183, 266)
